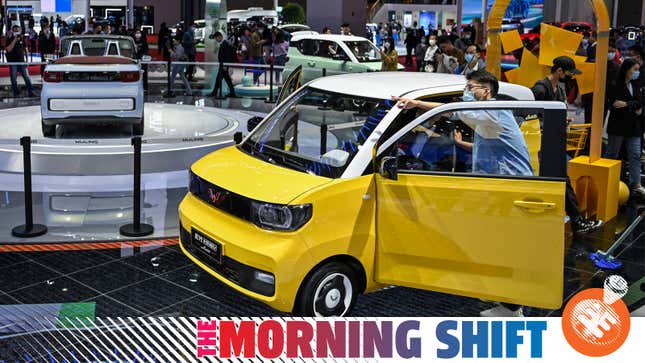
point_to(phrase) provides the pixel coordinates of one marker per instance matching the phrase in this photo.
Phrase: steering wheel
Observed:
(408, 162)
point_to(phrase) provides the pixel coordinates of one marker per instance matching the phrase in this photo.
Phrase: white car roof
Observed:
(383, 85)
(332, 37)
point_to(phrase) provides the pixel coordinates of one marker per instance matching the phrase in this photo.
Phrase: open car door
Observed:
(491, 231)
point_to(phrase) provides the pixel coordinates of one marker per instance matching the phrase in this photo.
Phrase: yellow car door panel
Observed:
(442, 227)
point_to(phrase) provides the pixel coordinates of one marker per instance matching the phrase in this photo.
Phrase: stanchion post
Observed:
(145, 76)
(271, 70)
(136, 228)
(29, 229)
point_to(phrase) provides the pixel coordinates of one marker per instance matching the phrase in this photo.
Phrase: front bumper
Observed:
(246, 249)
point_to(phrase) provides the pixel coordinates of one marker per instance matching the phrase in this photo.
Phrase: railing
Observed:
(157, 77)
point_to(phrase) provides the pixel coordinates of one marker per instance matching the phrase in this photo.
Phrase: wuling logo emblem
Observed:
(596, 322)
(217, 198)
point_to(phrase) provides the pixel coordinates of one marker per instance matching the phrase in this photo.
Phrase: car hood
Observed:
(240, 173)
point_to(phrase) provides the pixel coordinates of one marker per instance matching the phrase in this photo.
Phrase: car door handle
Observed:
(534, 207)
(311, 64)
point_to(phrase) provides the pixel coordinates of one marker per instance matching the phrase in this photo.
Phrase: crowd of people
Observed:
(433, 50)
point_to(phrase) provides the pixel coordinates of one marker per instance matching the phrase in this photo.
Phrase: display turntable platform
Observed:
(174, 137)
(82, 178)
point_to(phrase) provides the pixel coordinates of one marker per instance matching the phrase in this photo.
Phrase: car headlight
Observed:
(280, 217)
(193, 183)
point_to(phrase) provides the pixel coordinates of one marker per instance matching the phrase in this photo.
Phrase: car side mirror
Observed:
(237, 137)
(253, 122)
(389, 167)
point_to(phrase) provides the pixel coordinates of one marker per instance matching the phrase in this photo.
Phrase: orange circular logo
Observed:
(595, 322)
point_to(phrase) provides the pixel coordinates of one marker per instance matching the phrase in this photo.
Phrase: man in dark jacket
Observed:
(47, 44)
(411, 41)
(550, 89)
(16, 54)
(226, 54)
(188, 42)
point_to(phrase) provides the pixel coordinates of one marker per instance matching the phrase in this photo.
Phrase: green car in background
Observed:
(336, 54)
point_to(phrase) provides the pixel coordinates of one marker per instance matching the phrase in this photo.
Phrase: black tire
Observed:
(325, 291)
(137, 129)
(49, 130)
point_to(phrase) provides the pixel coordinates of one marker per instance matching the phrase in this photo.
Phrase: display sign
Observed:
(520, 14)
(63, 6)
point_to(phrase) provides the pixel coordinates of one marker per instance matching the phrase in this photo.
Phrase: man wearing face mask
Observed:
(473, 60)
(420, 53)
(47, 44)
(499, 146)
(612, 73)
(16, 53)
(140, 41)
(429, 58)
(551, 89)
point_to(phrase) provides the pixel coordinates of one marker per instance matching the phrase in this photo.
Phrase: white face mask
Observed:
(17, 34)
(432, 42)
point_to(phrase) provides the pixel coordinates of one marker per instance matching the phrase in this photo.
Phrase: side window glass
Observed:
(112, 49)
(307, 47)
(477, 141)
(328, 49)
(76, 49)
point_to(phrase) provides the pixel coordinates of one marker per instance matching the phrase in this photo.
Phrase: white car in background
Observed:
(97, 80)
(332, 54)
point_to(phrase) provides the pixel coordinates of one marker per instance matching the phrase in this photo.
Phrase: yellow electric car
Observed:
(339, 192)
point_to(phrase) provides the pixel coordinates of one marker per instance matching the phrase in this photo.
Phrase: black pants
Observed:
(223, 74)
(408, 56)
(190, 70)
(571, 201)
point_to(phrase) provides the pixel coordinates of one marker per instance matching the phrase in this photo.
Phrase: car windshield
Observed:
(364, 51)
(98, 46)
(316, 132)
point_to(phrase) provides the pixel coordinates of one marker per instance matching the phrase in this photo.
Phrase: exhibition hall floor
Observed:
(83, 266)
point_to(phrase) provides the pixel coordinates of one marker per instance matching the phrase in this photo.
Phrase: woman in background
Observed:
(390, 56)
(624, 125)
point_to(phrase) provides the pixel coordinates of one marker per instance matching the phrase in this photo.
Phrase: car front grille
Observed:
(220, 198)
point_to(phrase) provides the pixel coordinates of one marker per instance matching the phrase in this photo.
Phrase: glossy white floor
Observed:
(82, 178)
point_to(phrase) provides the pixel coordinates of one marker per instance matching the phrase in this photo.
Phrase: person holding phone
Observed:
(390, 56)
(16, 54)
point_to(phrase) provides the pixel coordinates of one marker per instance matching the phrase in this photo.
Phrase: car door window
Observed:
(330, 50)
(307, 47)
(479, 141)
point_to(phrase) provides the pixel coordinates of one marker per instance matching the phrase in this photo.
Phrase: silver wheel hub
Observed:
(332, 299)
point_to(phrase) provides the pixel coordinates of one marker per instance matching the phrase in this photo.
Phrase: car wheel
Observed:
(330, 290)
(137, 129)
(49, 130)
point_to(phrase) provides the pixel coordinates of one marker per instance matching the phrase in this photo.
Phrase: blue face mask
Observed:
(468, 96)
(469, 57)
(611, 56)
(635, 75)
(585, 42)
